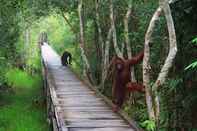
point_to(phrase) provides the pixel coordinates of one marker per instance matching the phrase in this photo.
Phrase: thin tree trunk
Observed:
(128, 47)
(27, 41)
(69, 24)
(27, 37)
(100, 42)
(152, 100)
(127, 40)
(147, 67)
(173, 44)
(99, 26)
(28, 52)
(86, 68)
(171, 55)
(117, 50)
(106, 58)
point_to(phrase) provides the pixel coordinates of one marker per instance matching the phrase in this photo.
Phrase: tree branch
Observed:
(68, 22)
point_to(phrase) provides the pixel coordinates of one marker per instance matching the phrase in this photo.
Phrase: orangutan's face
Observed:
(119, 64)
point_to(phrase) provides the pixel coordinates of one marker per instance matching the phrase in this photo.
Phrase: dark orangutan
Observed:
(122, 69)
(66, 58)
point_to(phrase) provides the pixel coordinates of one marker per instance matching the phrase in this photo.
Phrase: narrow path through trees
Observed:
(75, 106)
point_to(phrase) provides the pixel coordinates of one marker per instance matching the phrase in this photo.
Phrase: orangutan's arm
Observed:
(136, 59)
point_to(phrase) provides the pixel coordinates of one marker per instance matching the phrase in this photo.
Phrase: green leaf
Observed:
(2, 58)
(149, 125)
(192, 65)
(194, 41)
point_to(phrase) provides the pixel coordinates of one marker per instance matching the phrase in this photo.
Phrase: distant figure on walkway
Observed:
(66, 58)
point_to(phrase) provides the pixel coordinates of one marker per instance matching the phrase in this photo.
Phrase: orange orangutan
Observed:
(122, 77)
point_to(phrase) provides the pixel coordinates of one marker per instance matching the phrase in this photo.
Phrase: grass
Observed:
(19, 111)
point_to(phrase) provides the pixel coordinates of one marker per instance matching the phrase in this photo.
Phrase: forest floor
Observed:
(20, 112)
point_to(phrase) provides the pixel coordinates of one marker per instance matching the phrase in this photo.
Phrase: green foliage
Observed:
(172, 84)
(194, 64)
(34, 62)
(3, 67)
(9, 32)
(21, 79)
(194, 41)
(167, 100)
(20, 113)
(138, 111)
(149, 125)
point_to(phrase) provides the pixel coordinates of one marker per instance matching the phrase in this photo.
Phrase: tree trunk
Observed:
(86, 65)
(173, 44)
(127, 40)
(117, 50)
(106, 58)
(147, 67)
(128, 47)
(99, 26)
(152, 98)
(27, 42)
(99, 42)
(171, 55)
(69, 24)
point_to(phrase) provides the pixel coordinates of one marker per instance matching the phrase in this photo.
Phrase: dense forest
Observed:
(95, 31)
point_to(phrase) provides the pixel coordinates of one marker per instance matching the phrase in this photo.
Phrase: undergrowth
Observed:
(21, 112)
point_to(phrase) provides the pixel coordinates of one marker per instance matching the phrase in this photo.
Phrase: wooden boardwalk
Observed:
(72, 105)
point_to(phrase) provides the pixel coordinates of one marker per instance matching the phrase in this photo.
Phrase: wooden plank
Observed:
(72, 89)
(63, 79)
(91, 115)
(94, 114)
(96, 123)
(101, 129)
(79, 98)
(70, 83)
(65, 104)
(81, 102)
(73, 81)
(104, 122)
(84, 108)
(73, 93)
